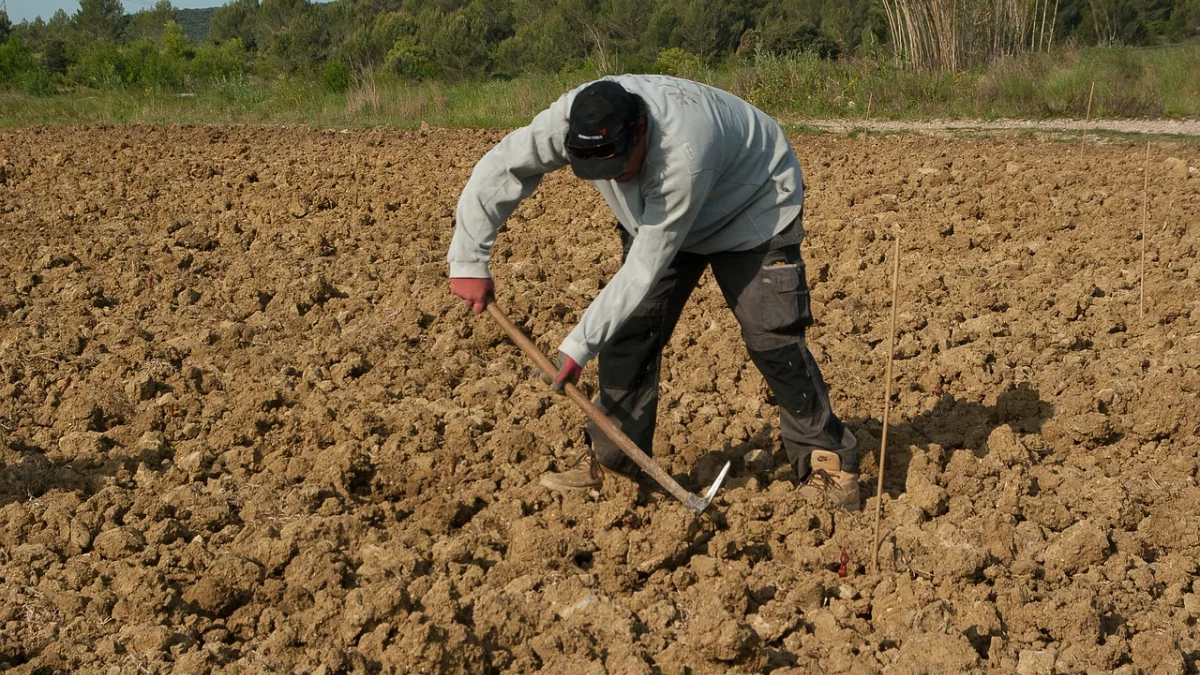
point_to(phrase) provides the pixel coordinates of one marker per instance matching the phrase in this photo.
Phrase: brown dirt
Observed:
(245, 428)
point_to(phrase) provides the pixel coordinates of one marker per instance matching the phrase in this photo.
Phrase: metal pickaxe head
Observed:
(698, 504)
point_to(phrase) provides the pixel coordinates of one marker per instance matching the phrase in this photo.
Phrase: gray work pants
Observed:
(768, 293)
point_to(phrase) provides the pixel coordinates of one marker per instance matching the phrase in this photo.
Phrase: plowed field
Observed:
(245, 428)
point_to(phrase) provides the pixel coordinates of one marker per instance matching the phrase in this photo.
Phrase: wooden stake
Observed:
(1088, 119)
(1145, 214)
(887, 402)
(867, 128)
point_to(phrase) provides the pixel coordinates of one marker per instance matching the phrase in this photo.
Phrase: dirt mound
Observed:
(245, 428)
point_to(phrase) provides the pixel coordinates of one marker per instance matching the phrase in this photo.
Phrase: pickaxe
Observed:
(694, 502)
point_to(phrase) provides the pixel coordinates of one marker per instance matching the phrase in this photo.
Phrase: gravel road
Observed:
(1134, 126)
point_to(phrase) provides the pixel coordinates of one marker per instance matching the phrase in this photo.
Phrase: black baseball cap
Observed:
(601, 130)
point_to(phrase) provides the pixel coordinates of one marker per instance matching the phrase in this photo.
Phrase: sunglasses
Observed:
(606, 151)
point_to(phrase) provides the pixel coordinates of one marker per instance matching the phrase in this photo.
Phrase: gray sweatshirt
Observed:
(719, 175)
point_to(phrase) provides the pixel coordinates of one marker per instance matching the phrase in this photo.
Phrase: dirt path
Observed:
(1187, 128)
(244, 428)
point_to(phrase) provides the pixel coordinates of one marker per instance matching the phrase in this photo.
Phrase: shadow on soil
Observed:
(953, 423)
(35, 474)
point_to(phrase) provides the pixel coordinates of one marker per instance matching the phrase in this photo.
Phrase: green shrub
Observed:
(15, 62)
(369, 44)
(410, 59)
(678, 62)
(213, 64)
(55, 57)
(99, 67)
(139, 64)
(175, 43)
(150, 68)
(335, 77)
(37, 82)
(19, 69)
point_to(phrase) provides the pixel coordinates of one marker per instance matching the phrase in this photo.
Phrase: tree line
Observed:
(100, 46)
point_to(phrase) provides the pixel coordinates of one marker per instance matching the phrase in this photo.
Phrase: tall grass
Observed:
(1129, 83)
(951, 35)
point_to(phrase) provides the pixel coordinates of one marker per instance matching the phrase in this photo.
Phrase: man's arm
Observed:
(668, 216)
(507, 174)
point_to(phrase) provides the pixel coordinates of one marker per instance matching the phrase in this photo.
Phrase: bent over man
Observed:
(697, 177)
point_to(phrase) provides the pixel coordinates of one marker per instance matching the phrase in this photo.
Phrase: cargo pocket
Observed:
(785, 303)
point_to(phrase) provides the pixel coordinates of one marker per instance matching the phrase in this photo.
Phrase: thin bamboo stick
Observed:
(893, 27)
(1145, 215)
(1053, 20)
(887, 402)
(1033, 33)
(1042, 35)
(867, 124)
(1087, 120)
(950, 35)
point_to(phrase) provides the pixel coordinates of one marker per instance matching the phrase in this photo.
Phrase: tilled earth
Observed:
(245, 428)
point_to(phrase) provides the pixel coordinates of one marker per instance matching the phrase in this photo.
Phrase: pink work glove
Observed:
(474, 291)
(568, 371)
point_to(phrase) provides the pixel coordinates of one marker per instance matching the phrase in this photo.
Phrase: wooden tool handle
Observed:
(597, 416)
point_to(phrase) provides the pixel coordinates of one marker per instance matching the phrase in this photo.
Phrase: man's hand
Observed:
(474, 291)
(568, 371)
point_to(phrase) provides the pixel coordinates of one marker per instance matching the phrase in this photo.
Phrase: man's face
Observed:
(633, 166)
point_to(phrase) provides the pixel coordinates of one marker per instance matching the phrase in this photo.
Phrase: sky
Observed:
(28, 10)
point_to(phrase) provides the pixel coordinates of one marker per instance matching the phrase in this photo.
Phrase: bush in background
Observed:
(410, 59)
(21, 71)
(219, 63)
(678, 62)
(335, 77)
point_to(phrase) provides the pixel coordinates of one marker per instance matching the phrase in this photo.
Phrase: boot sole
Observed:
(554, 486)
(550, 484)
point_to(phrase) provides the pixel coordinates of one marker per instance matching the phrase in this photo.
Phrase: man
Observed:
(697, 177)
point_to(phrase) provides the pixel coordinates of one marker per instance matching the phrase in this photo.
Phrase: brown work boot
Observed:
(828, 483)
(586, 474)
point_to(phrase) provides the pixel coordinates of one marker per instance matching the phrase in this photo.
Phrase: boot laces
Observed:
(593, 464)
(821, 479)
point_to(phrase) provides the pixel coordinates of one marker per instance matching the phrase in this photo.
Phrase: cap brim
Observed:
(599, 169)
